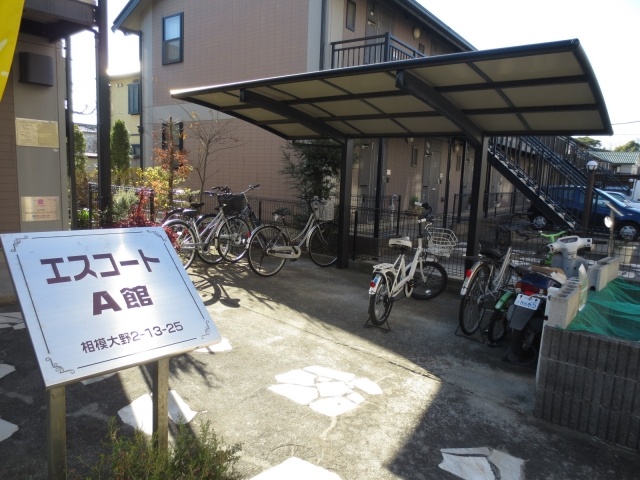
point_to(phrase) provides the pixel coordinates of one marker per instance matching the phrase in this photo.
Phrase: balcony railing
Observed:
(368, 50)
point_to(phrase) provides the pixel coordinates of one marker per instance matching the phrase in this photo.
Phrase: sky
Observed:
(607, 31)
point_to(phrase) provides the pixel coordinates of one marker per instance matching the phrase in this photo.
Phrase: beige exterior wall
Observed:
(9, 198)
(120, 102)
(236, 40)
(36, 167)
(119, 93)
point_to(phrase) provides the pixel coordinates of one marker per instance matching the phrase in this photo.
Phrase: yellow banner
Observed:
(10, 13)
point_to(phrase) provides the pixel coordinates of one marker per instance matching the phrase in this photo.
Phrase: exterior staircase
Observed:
(532, 164)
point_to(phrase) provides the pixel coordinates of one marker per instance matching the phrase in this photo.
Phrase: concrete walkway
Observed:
(309, 390)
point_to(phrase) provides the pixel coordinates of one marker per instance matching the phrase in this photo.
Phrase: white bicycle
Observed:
(423, 278)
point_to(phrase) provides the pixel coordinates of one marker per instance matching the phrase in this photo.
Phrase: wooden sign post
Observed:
(99, 301)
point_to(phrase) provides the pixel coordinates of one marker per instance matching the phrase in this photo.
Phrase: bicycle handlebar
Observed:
(424, 205)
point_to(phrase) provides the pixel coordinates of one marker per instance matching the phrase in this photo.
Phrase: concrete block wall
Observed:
(602, 272)
(590, 383)
(563, 305)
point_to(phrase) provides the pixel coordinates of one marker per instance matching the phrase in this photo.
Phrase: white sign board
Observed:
(98, 301)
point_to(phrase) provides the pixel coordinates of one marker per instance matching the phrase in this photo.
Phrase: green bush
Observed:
(122, 203)
(83, 218)
(192, 457)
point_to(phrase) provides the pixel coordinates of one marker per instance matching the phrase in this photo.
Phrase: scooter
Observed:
(526, 315)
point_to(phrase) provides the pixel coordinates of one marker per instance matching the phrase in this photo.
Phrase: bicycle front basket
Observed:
(442, 242)
(231, 204)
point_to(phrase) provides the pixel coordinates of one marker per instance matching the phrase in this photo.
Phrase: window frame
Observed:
(169, 42)
(133, 104)
(178, 136)
(350, 17)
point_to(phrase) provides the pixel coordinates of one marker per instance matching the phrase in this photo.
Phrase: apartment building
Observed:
(205, 42)
(125, 106)
(34, 120)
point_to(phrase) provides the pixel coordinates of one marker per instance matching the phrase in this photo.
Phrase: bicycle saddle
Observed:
(189, 212)
(404, 242)
(282, 211)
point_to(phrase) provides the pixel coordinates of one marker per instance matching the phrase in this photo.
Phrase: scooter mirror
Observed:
(608, 222)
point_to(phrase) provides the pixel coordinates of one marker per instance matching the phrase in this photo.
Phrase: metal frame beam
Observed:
(422, 91)
(275, 106)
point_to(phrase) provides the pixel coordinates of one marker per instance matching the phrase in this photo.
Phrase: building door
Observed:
(379, 22)
(431, 180)
(367, 172)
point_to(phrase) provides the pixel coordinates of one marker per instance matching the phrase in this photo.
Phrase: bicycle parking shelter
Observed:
(541, 89)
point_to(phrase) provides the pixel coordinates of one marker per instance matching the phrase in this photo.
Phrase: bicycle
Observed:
(223, 236)
(270, 245)
(423, 278)
(243, 206)
(482, 287)
(497, 326)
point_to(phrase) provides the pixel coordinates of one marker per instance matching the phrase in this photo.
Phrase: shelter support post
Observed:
(346, 172)
(477, 194)
(379, 187)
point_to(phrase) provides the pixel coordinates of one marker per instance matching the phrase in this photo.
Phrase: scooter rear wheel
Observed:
(497, 326)
(522, 351)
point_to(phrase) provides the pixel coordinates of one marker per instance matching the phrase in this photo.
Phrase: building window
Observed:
(414, 157)
(178, 136)
(136, 150)
(134, 98)
(351, 16)
(172, 45)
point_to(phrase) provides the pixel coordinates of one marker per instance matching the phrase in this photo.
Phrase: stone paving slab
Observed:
(437, 390)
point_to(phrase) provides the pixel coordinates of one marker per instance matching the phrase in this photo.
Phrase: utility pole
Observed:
(104, 115)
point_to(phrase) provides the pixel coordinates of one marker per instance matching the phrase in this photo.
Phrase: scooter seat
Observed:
(553, 272)
(546, 270)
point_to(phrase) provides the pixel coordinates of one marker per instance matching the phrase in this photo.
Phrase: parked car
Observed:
(572, 198)
(623, 198)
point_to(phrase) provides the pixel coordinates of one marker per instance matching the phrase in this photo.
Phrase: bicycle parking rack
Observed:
(457, 333)
(483, 326)
(367, 324)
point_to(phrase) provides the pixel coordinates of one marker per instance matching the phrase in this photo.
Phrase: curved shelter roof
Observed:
(542, 89)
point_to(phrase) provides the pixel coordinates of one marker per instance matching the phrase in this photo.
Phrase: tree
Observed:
(631, 146)
(313, 167)
(590, 142)
(120, 148)
(79, 149)
(213, 137)
(80, 160)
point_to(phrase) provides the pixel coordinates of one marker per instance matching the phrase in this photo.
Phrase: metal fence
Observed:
(503, 223)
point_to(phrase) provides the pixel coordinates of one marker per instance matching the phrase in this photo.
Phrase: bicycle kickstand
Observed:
(382, 327)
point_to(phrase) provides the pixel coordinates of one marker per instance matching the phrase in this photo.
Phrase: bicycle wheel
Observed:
(232, 238)
(471, 309)
(380, 303)
(209, 252)
(323, 244)
(260, 252)
(203, 221)
(183, 239)
(430, 282)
